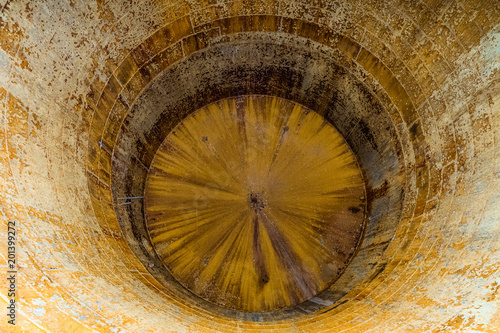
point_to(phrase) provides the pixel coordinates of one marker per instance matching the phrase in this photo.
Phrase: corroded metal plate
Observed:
(255, 203)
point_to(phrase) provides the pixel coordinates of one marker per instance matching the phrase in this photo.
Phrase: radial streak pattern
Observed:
(255, 203)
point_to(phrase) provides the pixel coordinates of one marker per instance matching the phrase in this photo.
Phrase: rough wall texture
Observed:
(414, 87)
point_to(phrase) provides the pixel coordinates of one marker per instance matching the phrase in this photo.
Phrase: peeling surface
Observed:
(413, 87)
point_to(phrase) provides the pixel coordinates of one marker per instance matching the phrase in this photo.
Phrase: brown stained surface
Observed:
(255, 203)
(90, 89)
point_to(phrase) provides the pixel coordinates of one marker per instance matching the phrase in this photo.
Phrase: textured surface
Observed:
(255, 203)
(412, 86)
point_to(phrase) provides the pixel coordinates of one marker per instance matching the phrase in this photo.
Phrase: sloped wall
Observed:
(412, 85)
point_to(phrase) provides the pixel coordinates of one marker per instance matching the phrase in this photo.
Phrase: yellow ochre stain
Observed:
(255, 203)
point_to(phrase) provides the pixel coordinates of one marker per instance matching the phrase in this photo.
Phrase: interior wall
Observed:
(72, 75)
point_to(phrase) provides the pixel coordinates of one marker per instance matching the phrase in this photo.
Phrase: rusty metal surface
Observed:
(255, 203)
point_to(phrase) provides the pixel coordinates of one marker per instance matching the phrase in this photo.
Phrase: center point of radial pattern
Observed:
(255, 203)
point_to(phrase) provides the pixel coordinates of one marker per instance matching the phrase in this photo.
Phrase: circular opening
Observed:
(255, 203)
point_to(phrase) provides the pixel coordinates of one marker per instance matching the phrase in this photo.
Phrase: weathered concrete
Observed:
(414, 87)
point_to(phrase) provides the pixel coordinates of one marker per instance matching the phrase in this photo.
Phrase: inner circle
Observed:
(255, 203)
